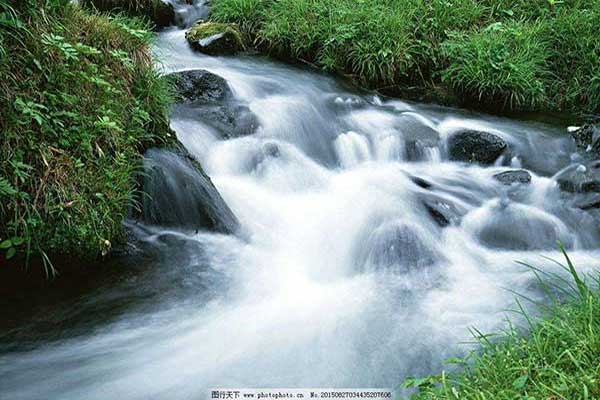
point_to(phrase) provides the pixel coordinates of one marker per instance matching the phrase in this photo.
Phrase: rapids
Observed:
(339, 275)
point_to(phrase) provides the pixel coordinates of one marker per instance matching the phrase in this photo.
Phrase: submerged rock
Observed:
(178, 194)
(476, 146)
(421, 140)
(215, 38)
(513, 176)
(208, 98)
(587, 139)
(398, 248)
(442, 211)
(420, 182)
(513, 226)
(580, 178)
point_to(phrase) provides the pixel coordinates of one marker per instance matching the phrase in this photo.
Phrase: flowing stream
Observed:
(341, 275)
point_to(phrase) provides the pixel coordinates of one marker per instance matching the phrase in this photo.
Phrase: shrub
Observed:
(504, 63)
(79, 102)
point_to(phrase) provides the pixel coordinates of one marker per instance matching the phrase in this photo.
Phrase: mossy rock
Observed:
(215, 38)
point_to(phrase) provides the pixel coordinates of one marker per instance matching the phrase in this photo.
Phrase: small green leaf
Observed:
(11, 253)
(7, 244)
(17, 241)
(520, 382)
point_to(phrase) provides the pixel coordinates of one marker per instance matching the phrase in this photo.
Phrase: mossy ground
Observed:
(79, 101)
(496, 54)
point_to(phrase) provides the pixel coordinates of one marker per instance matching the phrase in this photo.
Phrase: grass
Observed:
(526, 55)
(557, 358)
(156, 11)
(79, 101)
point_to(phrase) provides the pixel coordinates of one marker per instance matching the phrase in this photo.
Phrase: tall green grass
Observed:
(79, 101)
(556, 357)
(504, 63)
(539, 54)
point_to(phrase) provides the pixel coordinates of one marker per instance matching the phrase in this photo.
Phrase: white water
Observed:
(340, 277)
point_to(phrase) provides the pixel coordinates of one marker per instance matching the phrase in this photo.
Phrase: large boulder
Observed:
(587, 139)
(582, 178)
(475, 146)
(177, 193)
(200, 86)
(215, 38)
(208, 98)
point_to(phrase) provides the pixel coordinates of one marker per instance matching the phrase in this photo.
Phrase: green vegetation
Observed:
(540, 54)
(558, 359)
(79, 102)
(157, 11)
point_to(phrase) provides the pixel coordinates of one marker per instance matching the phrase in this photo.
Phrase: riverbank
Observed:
(557, 356)
(79, 103)
(487, 54)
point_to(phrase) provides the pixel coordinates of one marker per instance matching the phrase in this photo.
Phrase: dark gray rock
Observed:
(513, 176)
(475, 146)
(178, 194)
(163, 14)
(207, 97)
(200, 86)
(587, 139)
(580, 178)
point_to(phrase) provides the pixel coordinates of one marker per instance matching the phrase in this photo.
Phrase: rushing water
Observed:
(339, 276)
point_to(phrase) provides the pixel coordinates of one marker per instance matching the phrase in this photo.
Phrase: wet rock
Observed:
(347, 103)
(442, 211)
(215, 38)
(580, 178)
(513, 176)
(230, 119)
(207, 97)
(163, 14)
(178, 194)
(513, 226)
(476, 146)
(200, 86)
(588, 201)
(587, 139)
(398, 248)
(420, 182)
(421, 141)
